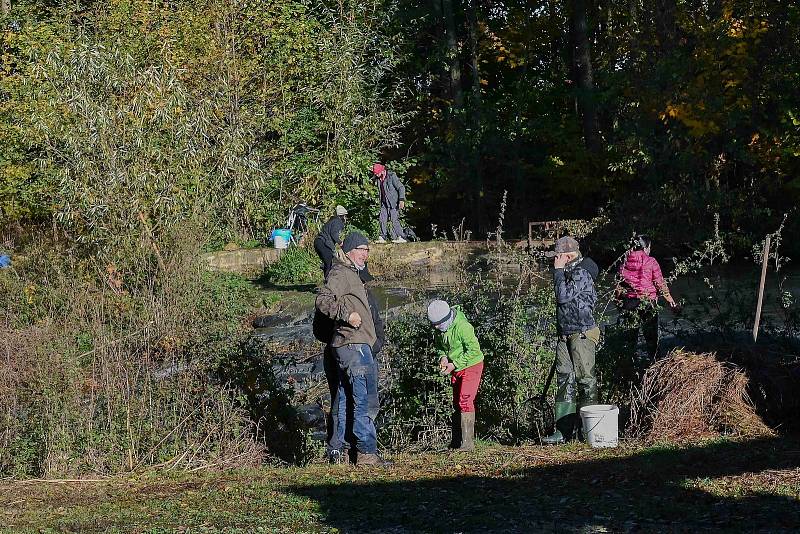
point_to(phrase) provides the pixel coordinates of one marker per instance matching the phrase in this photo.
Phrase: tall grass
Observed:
(103, 373)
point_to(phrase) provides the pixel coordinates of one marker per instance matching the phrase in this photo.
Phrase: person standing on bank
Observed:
(461, 358)
(392, 194)
(578, 336)
(344, 299)
(339, 439)
(640, 283)
(329, 237)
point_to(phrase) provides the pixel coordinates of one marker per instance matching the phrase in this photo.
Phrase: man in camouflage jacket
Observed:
(578, 336)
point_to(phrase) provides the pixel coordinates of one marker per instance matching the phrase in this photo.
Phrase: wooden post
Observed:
(764, 261)
(530, 235)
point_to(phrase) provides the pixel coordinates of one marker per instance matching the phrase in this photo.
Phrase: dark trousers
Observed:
(387, 213)
(325, 254)
(339, 435)
(576, 378)
(642, 319)
(575, 370)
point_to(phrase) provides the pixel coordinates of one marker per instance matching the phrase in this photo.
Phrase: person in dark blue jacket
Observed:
(329, 237)
(578, 336)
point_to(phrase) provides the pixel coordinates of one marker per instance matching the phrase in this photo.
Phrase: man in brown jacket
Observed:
(344, 299)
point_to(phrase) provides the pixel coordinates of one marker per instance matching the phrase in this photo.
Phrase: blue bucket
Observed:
(281, 237)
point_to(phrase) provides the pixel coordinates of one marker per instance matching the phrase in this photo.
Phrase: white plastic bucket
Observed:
(600, 425)
(281, 237)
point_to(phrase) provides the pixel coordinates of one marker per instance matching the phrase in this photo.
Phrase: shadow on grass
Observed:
(656, 489)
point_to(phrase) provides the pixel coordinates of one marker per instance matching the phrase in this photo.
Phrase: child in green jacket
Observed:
(460, 357)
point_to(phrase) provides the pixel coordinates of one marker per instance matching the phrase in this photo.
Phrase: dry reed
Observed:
(688, 396)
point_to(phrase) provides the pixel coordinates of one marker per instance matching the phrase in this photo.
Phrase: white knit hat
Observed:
(438, 312)
(340, 210)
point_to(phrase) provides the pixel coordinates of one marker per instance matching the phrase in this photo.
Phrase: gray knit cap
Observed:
(340, 210)
(353, 240)
(438, 312)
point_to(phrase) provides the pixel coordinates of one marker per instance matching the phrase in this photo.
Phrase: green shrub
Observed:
(229, 297)
(247, 365)
(297, 265)
(113, 369)
(516, 334)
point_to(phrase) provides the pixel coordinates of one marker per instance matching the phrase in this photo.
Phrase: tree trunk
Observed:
(476, 103)
(456, 93)
(714, 9)
(583, 69)
(666, 29)
(472, 19)
(556, 39)
(5, 6)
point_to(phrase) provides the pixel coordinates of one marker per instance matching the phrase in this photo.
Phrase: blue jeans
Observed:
(358, 377)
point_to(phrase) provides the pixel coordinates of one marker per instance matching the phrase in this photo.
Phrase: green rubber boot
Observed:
(467, 431)
(589, 397)
(565, 424)
(553, 439)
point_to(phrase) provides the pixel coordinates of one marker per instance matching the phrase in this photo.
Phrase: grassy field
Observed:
(725, 485)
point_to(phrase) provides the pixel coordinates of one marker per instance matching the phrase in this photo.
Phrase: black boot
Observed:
(455, 426)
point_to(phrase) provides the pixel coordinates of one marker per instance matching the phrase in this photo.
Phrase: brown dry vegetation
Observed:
(103, 372)
(688, 396)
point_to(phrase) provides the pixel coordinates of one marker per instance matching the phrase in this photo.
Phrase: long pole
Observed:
(764, 261)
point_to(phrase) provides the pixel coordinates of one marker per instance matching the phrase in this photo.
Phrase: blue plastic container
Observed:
(281, 237)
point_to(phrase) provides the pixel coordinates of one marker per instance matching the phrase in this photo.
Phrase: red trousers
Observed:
(465, 387)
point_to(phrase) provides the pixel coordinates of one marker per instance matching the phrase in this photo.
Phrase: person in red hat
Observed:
(392, 194)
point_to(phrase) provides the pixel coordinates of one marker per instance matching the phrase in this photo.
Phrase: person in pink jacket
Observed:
(640, 283)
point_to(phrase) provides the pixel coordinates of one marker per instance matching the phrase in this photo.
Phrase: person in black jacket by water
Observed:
(329, 237)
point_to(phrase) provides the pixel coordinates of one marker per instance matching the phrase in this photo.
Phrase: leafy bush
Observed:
(297, 265)
(106, 122)
(516, 331)
(247, 364)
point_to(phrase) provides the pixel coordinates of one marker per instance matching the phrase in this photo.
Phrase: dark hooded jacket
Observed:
(380, 331)
(330, 233)
(391, 190)
(575, 296)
